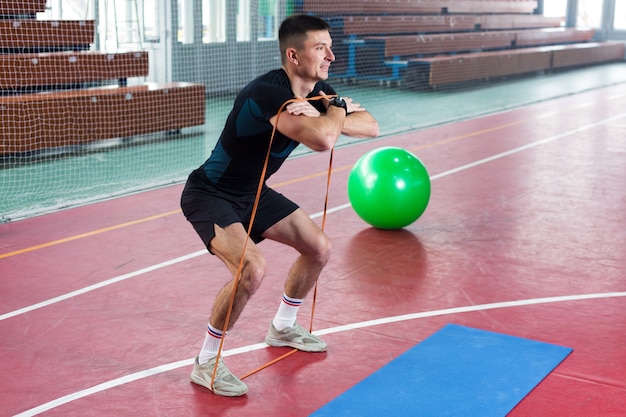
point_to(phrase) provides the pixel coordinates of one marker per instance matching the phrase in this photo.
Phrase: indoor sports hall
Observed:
(505, 297)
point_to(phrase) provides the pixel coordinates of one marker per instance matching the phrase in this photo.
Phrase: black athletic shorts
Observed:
(205, 206)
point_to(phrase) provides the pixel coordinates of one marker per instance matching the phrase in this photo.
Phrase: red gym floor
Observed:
(103, 307)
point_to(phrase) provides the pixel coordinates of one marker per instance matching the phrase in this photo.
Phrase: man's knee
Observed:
(252, 274)
(321, 248)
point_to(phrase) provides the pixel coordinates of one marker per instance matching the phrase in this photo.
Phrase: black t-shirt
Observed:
(236, 162)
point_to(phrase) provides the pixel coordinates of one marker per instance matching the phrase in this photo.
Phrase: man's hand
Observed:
(358, 123)
(302, 108)
(352, 106)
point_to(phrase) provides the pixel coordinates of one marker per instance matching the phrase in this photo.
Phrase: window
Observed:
(555, 8)
(185, 21)
(268, 13)
(619, 22)
(119, 24)
(68, 10)
(590, 13)
(151, 21)
(243, 21)
(213, 21)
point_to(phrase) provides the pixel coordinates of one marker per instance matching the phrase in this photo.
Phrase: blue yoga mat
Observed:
(457, 371)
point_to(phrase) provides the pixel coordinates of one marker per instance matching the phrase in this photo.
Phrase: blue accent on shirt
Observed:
(215, 166)
(250, 119)
(285, 153)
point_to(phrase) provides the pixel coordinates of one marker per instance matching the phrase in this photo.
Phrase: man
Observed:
(218, 197)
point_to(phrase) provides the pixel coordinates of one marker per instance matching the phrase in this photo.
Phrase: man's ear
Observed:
(291, 55)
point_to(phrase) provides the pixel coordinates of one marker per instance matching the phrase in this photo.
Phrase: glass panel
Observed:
(555, 8)
(68, 10)
(213, 21)
(76, 10)
(619, 22)
(151, 21)
(268, 12)
(127, 23)
(590, 13)
(243, 21)
(185, 21)
(119, 25)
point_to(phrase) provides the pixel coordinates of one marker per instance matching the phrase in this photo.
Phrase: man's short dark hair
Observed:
(294, 29)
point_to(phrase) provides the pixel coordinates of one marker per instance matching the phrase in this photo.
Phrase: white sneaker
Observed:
(296, 337)
(225, 384)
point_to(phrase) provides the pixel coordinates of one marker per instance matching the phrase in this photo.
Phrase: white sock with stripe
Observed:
(287, 312)
(211, 344)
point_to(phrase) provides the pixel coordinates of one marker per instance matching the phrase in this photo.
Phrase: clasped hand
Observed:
(305, 108)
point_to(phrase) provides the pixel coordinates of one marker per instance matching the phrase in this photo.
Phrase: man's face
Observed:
(315, 56)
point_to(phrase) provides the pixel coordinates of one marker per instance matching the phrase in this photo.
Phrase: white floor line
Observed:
(394, 319)
(100, 285)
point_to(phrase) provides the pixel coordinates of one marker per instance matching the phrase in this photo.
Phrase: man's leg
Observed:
(228, 245)
(300, 232)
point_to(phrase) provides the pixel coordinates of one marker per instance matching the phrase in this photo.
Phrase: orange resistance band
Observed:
(252, 216)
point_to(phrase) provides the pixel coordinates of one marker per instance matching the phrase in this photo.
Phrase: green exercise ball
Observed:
(389, 188)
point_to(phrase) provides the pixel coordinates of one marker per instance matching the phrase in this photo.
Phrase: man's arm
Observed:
(303, 123)
(319, 131)
(360, 124)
